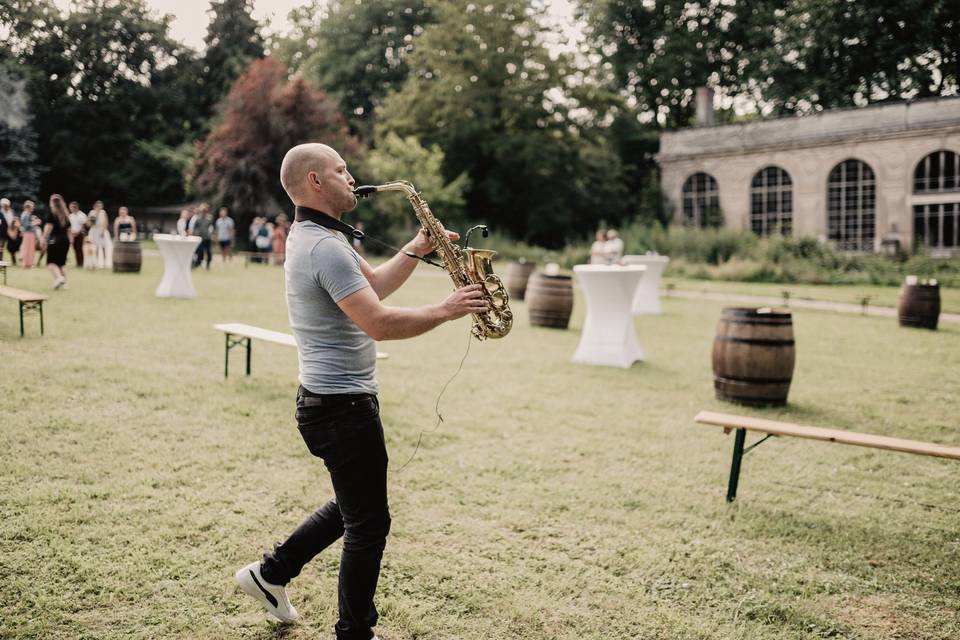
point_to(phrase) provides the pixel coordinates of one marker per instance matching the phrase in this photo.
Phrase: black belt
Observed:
(331, 399)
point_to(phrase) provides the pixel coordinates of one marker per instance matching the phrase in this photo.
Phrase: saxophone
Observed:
(465, 266)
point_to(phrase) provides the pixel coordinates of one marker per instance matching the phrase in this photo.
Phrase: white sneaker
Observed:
(59, 282)
(273, 597)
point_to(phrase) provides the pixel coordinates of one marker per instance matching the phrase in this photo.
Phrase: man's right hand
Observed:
(464, 301)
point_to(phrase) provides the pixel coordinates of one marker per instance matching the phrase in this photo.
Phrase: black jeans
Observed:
(345, 431)
(203, 251)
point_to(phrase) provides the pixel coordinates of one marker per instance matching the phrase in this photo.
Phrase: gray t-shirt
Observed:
(320, 269)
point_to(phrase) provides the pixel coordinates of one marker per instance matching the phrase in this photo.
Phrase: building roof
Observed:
(831, 126)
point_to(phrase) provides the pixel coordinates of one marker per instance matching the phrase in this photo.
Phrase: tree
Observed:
(356, 50)
(829, 54)
(398, 158)
(233, 40)
(774, 55)
(264, 115)
(658, 52)
(90, 78)
(484, 88)
(19, 169)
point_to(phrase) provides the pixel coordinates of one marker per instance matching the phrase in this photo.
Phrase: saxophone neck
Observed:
(397, 185)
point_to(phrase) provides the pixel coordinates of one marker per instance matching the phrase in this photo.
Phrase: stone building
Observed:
(864, 179)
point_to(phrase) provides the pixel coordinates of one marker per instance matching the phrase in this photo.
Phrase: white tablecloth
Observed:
(177, 252)
(608, 336)
(647, 298)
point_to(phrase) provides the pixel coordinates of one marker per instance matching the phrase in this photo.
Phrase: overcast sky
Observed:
(191, 19)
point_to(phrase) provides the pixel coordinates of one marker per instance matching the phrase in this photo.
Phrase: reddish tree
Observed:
(265, 113)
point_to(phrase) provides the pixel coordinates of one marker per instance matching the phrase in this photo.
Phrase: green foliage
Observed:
(834, 54)
(485, 89)
(395, 158)
(19, 168)
(355, 50)
(233, 40)
(95, 101)
(264, 115)
(732, 255)
(727, 254)
(788, 55)
(659, 52)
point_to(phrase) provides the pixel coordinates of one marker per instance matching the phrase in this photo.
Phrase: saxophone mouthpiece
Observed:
(364, 191)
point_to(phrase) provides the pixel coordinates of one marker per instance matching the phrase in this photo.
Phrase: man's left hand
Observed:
(421, 244)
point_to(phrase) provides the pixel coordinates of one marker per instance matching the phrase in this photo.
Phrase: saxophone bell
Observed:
(463, 265)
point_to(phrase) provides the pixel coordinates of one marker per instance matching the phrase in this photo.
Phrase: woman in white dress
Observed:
(100, 236)
(598, 249)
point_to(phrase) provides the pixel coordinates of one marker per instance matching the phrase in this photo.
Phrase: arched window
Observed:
(936, 225)
(771, 202)
(851, 206)
(701, 201)
(937, 173)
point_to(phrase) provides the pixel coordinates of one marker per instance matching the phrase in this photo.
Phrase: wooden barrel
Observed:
(549, 300)
(516, 278)
(918, 305)
(753, 356)
(127, 256)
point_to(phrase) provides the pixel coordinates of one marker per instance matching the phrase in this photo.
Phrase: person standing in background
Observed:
(100, 236)
(598, 250)
(13, 236)
(6, 217)
(78, 231)
(279, 241)
(183, 223)
(264, 240)
(125, 226)
(28, 242)
(613, 247)
(201, 225)
(226, 232)
(56, 238)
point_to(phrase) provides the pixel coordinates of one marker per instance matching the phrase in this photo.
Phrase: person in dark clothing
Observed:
(56, 240)
(6, 217)
(14, 236)
(201, 225)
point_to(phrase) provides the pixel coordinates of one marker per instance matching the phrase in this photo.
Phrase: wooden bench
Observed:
(29, 301)
(3, 270)
(237, 334)
(771, 428)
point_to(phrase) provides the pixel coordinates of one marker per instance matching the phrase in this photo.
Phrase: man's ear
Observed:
(313, 178)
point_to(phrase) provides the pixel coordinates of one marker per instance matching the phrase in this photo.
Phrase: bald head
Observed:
(301, 160)
(314, 175)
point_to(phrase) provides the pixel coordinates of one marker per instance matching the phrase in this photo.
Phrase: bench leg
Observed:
(230, 343)
(21, 318)
(741, 435)
(41, 317)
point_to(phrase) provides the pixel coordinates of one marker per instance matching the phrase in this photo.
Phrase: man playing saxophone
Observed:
(335, 311)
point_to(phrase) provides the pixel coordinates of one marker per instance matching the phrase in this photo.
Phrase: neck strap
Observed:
(323, 219)
(326, 220)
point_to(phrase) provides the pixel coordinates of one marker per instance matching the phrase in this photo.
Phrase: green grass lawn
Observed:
(555, 501)
(849, 293)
